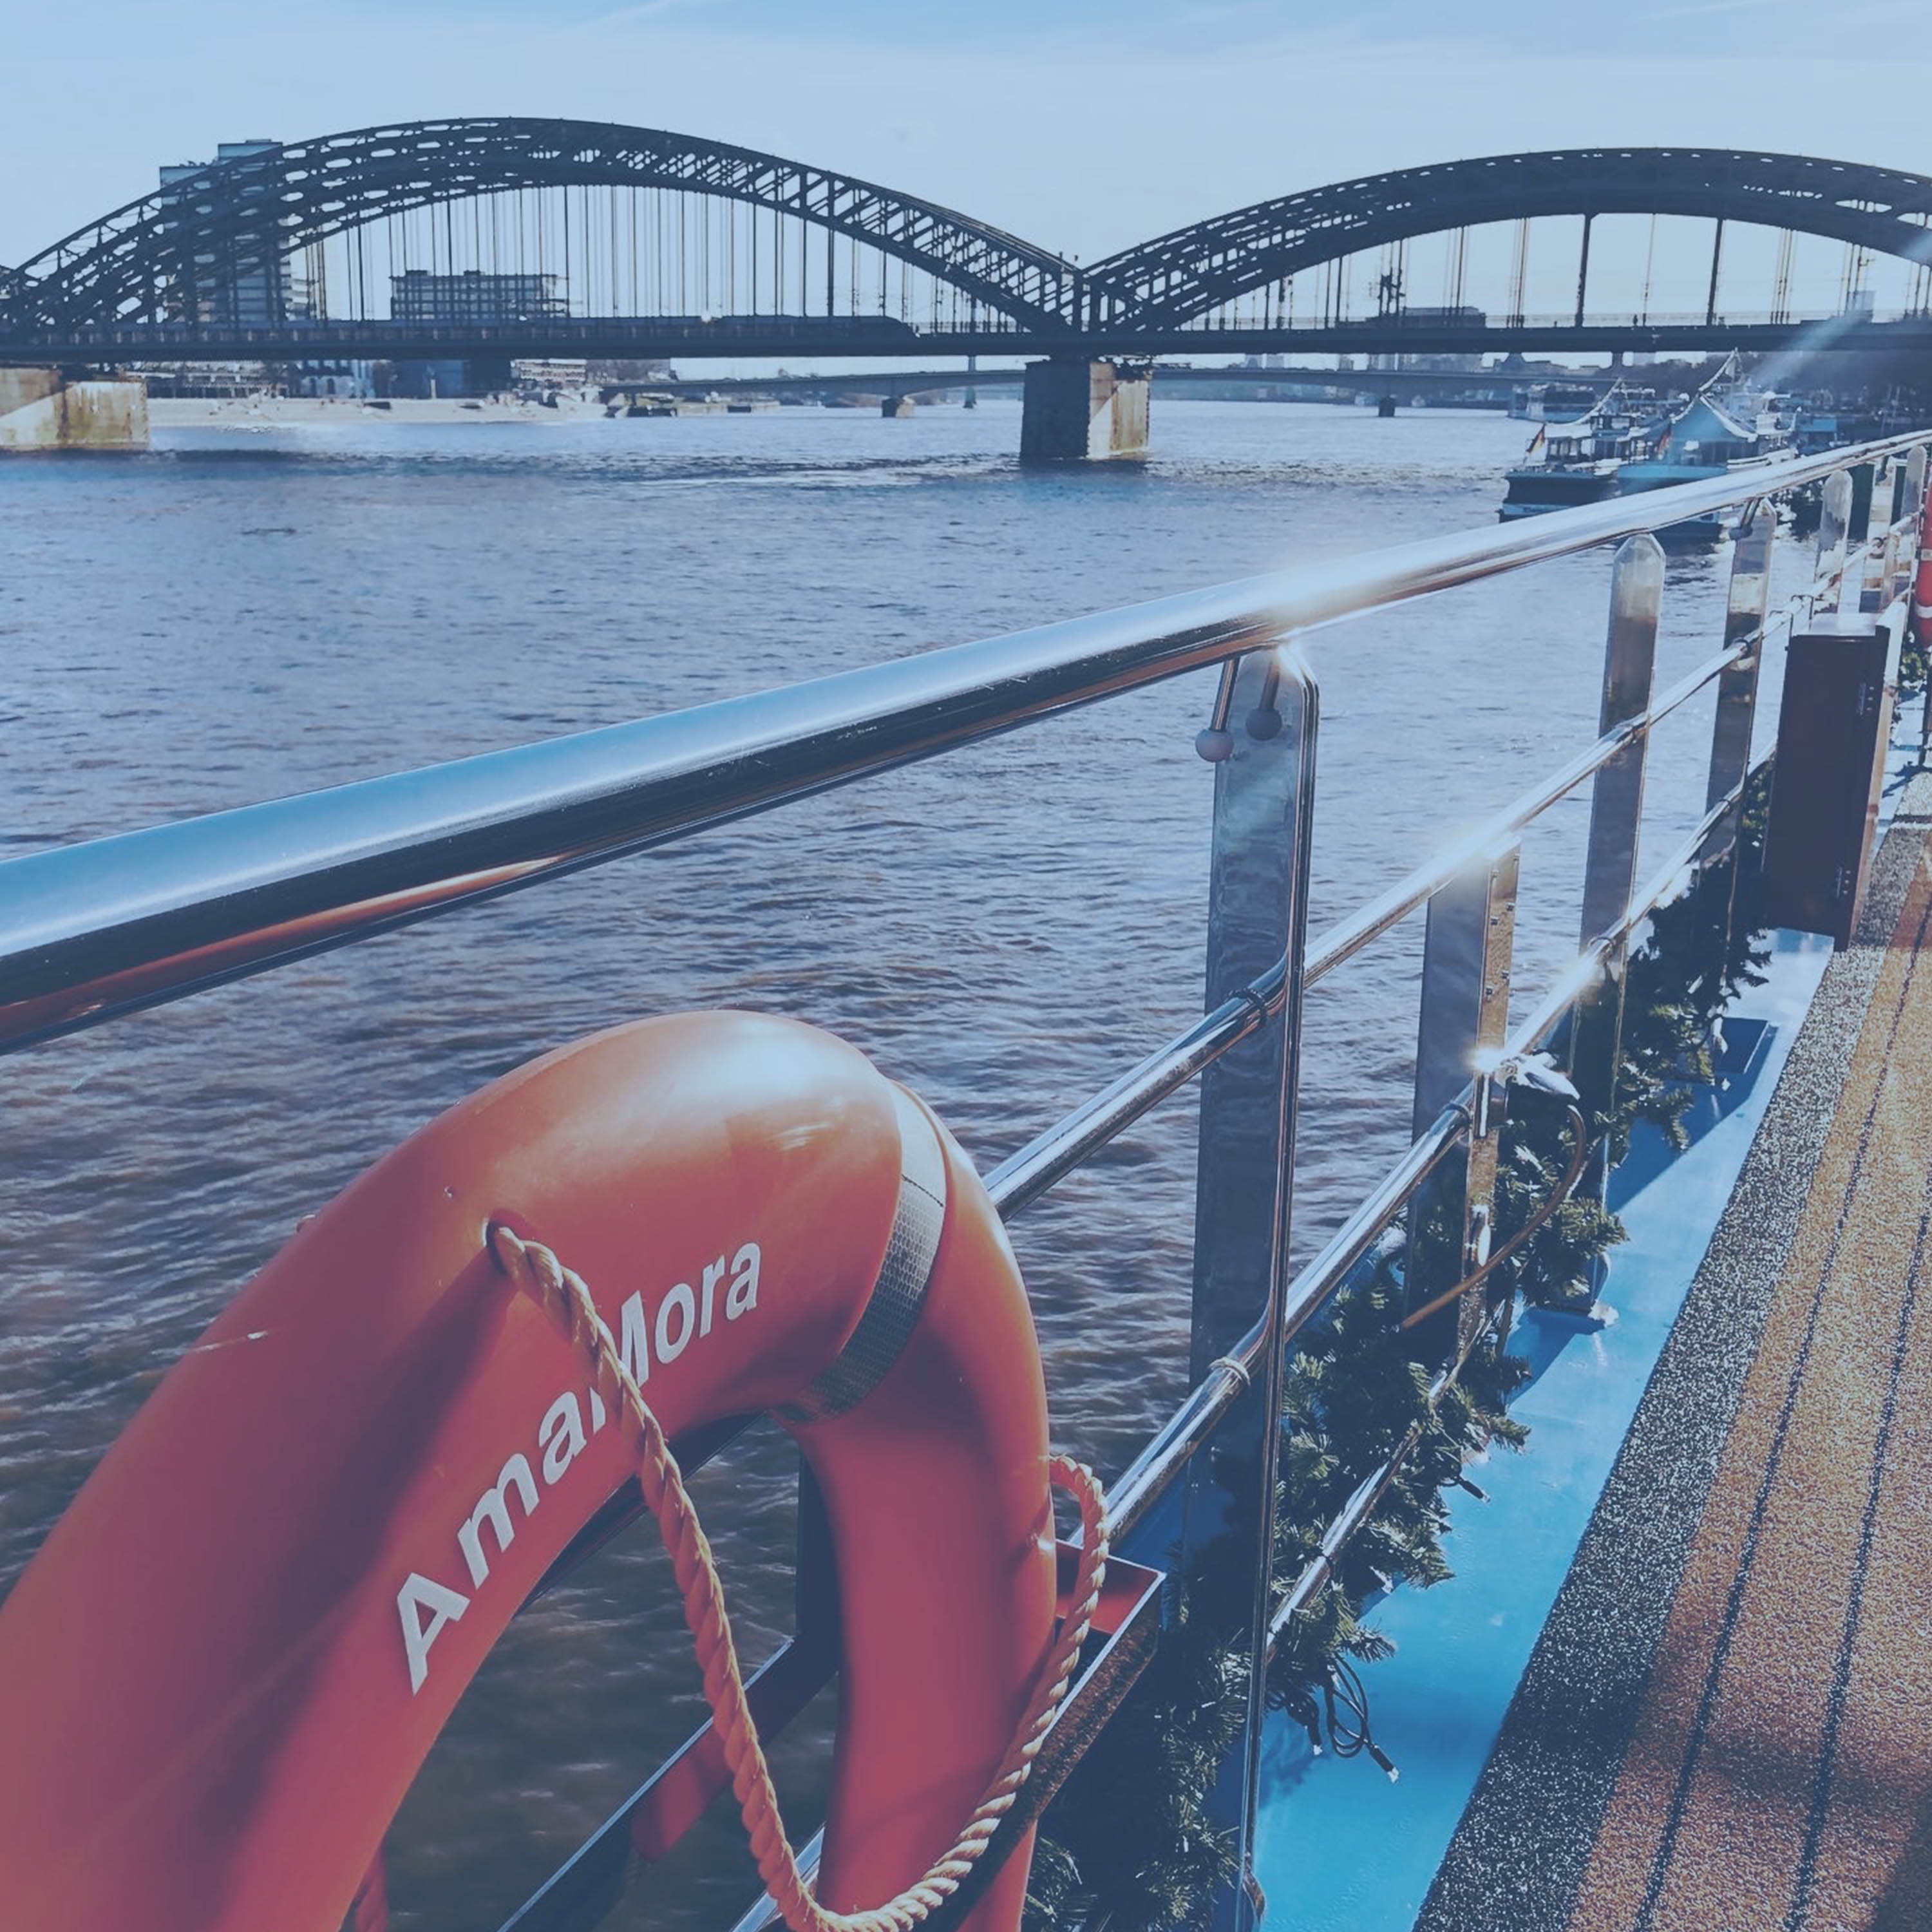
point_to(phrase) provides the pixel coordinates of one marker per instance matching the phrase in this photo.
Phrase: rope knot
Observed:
(537, 1271)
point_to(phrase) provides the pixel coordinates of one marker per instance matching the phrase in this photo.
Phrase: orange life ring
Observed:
(222, 1670)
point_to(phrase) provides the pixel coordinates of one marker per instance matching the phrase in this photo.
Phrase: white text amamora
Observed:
(726, 1292)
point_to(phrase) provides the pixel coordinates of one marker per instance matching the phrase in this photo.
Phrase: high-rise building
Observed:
(249, 284)
(256, 283)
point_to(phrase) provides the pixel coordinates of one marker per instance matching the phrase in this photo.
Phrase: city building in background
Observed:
(339, 377)
(258, 290)
(420, 295)
(417, 295)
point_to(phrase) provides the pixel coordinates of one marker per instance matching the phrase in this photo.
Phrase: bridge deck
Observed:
(1728, 1724)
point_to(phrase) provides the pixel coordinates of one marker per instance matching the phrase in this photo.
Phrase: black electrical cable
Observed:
(1534, 1226)
(1352, 1735)
(1340, 1723)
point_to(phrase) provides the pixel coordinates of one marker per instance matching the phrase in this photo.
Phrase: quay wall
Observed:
(39, 409)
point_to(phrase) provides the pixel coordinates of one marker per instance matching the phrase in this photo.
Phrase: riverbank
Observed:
(253, 413)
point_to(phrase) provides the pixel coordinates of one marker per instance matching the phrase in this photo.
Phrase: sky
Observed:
(1084, 126)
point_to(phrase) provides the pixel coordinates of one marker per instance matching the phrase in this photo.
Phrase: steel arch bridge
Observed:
(139, 279)
(1173, 280)
(131, 265)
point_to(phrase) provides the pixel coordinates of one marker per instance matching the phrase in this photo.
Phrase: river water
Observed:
(237, 616)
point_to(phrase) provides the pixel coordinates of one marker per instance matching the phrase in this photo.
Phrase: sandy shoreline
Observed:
(244, 412)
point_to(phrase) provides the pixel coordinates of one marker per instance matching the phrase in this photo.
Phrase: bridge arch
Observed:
(130, 264)
(1175, 278)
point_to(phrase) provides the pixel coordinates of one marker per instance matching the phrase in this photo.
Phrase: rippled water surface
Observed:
(236, 617)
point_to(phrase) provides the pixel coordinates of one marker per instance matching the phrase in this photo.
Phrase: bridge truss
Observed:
(199, 248)
(1187, 276)
(510, 236)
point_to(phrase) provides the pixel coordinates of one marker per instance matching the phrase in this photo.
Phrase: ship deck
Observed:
(1727, 1722)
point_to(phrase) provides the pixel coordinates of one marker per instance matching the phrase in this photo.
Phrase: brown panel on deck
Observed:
(1833, 728)
(1779, 1775)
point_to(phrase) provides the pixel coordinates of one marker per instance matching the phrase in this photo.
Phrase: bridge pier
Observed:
(41, 409)
(1078, 411)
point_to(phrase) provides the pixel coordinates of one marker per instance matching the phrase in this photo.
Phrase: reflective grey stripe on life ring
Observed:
(899, 1293)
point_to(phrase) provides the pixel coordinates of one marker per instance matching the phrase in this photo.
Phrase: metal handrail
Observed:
(105, 927)
(1154, 1469)
(1029, 1172)
(1327, 1277)
(1026, 1175)
(1151, 1473)
(1388, 909)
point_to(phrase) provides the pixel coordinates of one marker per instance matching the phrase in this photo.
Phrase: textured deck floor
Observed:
(1728, 1724)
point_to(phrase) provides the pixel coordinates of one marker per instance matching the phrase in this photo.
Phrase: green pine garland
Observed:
(1913, 664)
(1355, 1394)
(1130, 1844)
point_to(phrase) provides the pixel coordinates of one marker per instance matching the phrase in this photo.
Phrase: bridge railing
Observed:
(1422, 322)
(26, 338)
(92, 930)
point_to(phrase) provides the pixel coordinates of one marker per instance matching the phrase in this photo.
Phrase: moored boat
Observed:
(1571, 463)
(1705, 440)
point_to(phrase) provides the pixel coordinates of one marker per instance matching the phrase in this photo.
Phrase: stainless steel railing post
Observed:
(1738, 685)
(1895, 479)
(1833, 520)
(1913, 508)
(1732, 724)
(1257, 908)
(1616, 824)
(1858, 523)
(1911, 548)
(1468, 951)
